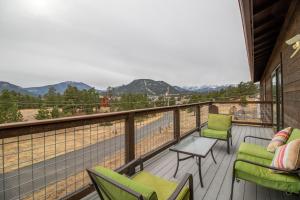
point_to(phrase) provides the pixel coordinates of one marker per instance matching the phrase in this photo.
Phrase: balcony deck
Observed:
(216, 177)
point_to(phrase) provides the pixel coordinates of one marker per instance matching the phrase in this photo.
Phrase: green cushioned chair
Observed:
(259, 151)
(219, 127)
(113, 185)
(263, 176)
(253, 165)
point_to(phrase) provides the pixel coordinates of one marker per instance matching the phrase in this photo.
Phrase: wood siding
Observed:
(290, 69)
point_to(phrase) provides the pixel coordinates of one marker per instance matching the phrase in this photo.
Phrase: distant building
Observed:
(104, 101)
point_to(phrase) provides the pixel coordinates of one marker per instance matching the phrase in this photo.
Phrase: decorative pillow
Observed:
(287, 157)
(279, 139)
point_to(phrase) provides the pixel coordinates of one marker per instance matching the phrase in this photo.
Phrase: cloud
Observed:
(107, 43)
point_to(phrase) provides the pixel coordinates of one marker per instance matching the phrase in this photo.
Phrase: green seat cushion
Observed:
(162, 187)
(294, 135)
(265, 177)
(219, 122)
(255, 150)
(214, 134)
(116, 193)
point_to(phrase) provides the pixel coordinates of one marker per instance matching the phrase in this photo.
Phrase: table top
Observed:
(195, 145)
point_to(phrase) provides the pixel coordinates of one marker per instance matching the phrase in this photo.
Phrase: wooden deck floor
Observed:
(216, 177)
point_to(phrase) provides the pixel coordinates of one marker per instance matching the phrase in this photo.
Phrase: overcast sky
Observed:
(111, 42)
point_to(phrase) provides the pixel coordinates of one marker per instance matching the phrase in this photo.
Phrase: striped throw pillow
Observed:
(279, 139)
(287, 156)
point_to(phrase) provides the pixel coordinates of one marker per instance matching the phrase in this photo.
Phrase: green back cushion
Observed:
(115, 193)
(219, 122)
(294, 135)
(255, 150)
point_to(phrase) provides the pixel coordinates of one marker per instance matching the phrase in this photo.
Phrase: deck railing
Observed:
(47, 159)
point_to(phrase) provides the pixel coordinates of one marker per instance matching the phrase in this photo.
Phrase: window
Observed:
(277, 98)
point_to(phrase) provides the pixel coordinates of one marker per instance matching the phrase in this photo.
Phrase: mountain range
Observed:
(207, 88)
(59, 87)
(138, 86)
(11, 87)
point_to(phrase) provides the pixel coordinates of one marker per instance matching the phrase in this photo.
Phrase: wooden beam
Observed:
(266, 46)
(267, 26)
(261, 60)
(269, 41)
(261, 64)
(266, 35)
(270, 10)
(262, 55)
(263, 50)
(266, 40)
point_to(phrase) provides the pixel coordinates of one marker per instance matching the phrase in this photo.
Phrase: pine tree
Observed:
(55, 112)
(43, 113)
(9, 111)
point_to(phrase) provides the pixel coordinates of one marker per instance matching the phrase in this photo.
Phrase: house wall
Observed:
(290, 71)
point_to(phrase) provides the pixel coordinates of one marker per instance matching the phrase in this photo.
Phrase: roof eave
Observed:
(246, 15)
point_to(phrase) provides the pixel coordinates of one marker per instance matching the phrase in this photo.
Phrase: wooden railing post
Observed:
(176, 122)
(272, 116)
(129, 139)
(198, 115)
(213, 108)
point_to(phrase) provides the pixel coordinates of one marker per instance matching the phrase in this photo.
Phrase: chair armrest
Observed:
(187, 178)
(94, 174)
(267, 167)
(261, 138)
(204, 124)
(123, 169)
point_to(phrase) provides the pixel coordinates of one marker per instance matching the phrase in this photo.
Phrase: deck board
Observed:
(216, 177)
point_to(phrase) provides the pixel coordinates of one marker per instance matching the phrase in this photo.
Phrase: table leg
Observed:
(177, 165)
(199, 168)
(211, 151)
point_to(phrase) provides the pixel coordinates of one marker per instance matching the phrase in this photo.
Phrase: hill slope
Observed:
(60, 87)
(11, 87)
(147, 86)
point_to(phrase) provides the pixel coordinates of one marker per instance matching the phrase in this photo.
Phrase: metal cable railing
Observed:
(187, 120)
(153, 131)
(52, 164)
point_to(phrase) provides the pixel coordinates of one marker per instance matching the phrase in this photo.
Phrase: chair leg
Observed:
(231, 140)
(232, 183)
(228, 146)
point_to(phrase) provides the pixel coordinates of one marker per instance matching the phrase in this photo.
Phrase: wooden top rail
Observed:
(243, 102)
